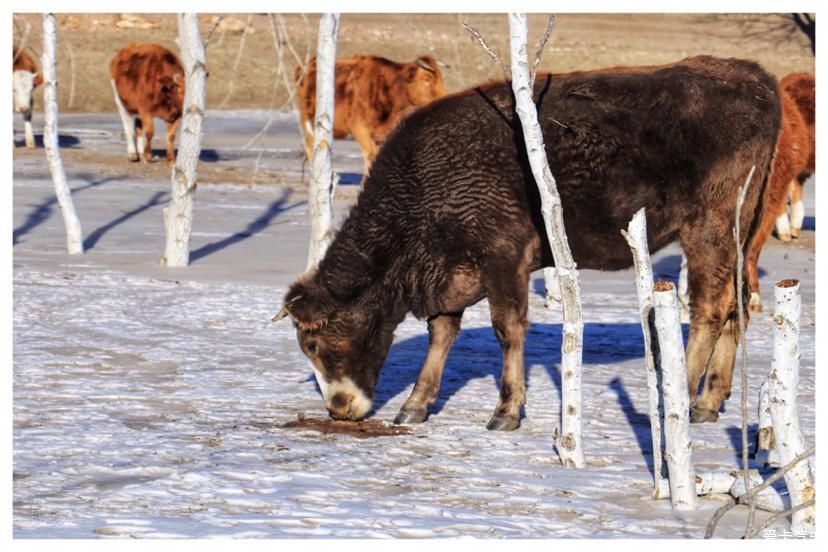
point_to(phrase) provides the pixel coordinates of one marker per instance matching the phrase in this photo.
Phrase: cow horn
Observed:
(285, 312)
(421, 63)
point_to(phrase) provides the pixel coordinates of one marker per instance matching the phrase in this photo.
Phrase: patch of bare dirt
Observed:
(364, 429)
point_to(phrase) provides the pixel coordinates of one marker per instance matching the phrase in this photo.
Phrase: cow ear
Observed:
(308, 304)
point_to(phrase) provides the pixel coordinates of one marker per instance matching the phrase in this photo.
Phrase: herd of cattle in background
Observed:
(448, 214)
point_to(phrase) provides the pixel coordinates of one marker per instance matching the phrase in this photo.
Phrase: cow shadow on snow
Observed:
(476, 354)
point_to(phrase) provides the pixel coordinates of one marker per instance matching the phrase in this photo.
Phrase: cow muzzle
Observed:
(347, 401)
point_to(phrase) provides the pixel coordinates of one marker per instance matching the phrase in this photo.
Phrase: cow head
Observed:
(172, 90)
(23, 86)
(345, 341)
(423, 81)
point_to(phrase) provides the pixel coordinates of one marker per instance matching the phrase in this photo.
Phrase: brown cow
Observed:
(450, 215)
(148, 81)
(802, 89)
(26, 77)
(793, 163)
(372, 94)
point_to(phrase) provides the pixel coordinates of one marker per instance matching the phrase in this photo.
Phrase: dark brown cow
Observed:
(450, 214)
(148, 81)
(793, 164)
(26, 77)
(372, 94)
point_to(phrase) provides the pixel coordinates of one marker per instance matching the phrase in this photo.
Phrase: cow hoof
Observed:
(133, 158)
(700, 416)
(795, 233)
(503, 423)
(413, 416)
(784, 237)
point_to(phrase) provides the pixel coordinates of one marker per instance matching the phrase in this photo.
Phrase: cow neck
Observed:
(362, 264)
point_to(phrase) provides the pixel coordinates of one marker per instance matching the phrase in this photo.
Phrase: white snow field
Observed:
(150, 402)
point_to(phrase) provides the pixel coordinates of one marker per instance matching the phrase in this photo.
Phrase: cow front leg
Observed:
(442, 331)
(711, 348)
(171, 128)
(508, 309)
(28, 132)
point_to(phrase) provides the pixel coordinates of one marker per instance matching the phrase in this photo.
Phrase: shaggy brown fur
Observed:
(450, 214)
(793, 164)
(150, 83)
(372, 93)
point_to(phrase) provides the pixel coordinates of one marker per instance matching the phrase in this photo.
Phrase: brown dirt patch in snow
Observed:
(364, 429)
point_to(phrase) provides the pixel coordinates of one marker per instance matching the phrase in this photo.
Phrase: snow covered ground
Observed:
(150, 402)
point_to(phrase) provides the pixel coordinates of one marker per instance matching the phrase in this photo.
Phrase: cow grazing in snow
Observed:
(371, 95)
(148, 82)
(793, 163)
(26, 77)
(450, 214)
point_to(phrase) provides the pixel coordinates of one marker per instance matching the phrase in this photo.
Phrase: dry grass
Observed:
(579, 41)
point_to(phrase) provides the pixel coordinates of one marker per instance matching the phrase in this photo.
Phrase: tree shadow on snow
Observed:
(42, 211)
(260, 223)
(92, 239)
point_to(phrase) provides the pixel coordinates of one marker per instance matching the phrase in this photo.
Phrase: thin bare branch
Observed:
(231, 84)
(211, 31)
(476, 34)
(776, 517)
(780, 473)
(541, 45)
(24, 36)
(740, 307)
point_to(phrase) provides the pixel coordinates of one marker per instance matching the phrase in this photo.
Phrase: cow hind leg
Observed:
(508, 302)
(171, 128)
(711, 348)
(442, 331)
(148, 128)
(128, 123)
(797, 207)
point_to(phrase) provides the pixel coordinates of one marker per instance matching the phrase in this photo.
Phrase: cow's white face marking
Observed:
(23, 85)
(361, 404)
(320, 380)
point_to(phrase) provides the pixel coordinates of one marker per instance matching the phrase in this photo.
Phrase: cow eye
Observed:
(312, 348)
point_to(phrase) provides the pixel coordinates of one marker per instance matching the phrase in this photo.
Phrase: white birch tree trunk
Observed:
(322, 183)
(178, 215)
(683, 291)
(568, 442)
(74, 235)
(765, 441)
(636, 236)
(676, 400)
(783, 383)
(707, 483)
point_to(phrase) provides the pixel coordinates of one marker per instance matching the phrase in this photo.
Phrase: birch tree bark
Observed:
(74, 235)
(783, 383)
(568, 441)
(322, 183)
(636, 236)
(178, 215)
(678, 447)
